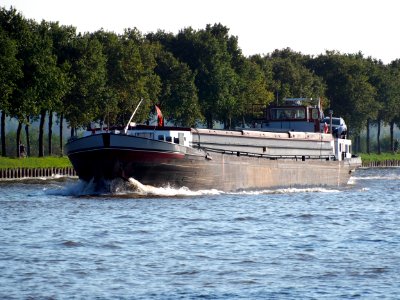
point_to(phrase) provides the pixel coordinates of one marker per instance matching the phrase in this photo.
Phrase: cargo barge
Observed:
(285, 147)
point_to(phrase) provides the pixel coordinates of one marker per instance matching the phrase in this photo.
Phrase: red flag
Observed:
(160, 118)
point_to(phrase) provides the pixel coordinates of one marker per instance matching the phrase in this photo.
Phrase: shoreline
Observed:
(31, 173)
(381, 163)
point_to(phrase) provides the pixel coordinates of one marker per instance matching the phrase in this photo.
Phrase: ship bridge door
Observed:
(342, 149)
(314, 117)
(181, 137)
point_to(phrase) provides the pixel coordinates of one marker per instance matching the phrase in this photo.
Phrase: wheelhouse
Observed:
(296, 114)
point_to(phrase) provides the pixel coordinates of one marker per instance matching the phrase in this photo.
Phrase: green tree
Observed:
(131, 61)
(351, 94)
(252, 90)
(382, 80)
(139, 80)
(62, 37)
(292, 77)
(10, 70)
(394, 95)
(50, 79)
(209, 54)
(115, 82)
(178, 98)
(84, 101)
(219, 74)
(24, 100)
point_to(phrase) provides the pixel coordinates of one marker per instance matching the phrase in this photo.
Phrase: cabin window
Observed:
(161, 137)
(314, 113)
(146, 135)
(295, 113)
(169, 139)
(176, 140)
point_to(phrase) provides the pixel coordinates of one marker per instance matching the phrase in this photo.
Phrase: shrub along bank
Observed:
(34, 162)
(374, 157)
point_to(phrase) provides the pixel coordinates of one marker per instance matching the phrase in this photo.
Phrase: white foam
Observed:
(168, 191)
(386, 177)
(289, 191)
(184, 191)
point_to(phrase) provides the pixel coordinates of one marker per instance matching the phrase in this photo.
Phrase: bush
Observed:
(379, 157)
(34, 162)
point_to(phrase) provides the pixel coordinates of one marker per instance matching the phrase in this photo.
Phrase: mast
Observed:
(127, 125)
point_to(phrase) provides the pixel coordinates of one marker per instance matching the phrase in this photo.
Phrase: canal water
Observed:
(59, 241)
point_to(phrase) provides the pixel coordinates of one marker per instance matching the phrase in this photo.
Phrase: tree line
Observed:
(197, 77)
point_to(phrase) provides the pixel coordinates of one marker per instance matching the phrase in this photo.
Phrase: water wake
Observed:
(133, 188)
(385, 177)
(91, 188)
(184, 191)
(289, 191)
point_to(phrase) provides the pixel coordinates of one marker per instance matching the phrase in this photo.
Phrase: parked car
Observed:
(339, 128)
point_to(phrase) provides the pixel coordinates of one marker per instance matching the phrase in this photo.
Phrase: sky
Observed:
(306, 26)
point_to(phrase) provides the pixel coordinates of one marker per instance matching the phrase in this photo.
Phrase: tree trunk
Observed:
(28, 140)
(368, 149)
(209, 122)
(355, 145)
(61, 134)
(41, 129)
(50, 132)
(358, 143)
(378, 136)
(392, 136)
(3, 134)
(72, 131)
(19, 128)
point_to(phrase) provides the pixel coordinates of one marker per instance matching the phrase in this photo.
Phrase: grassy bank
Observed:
(34, 162)
(373, 157)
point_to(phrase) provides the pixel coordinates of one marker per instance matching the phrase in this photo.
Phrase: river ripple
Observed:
(58, 243)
